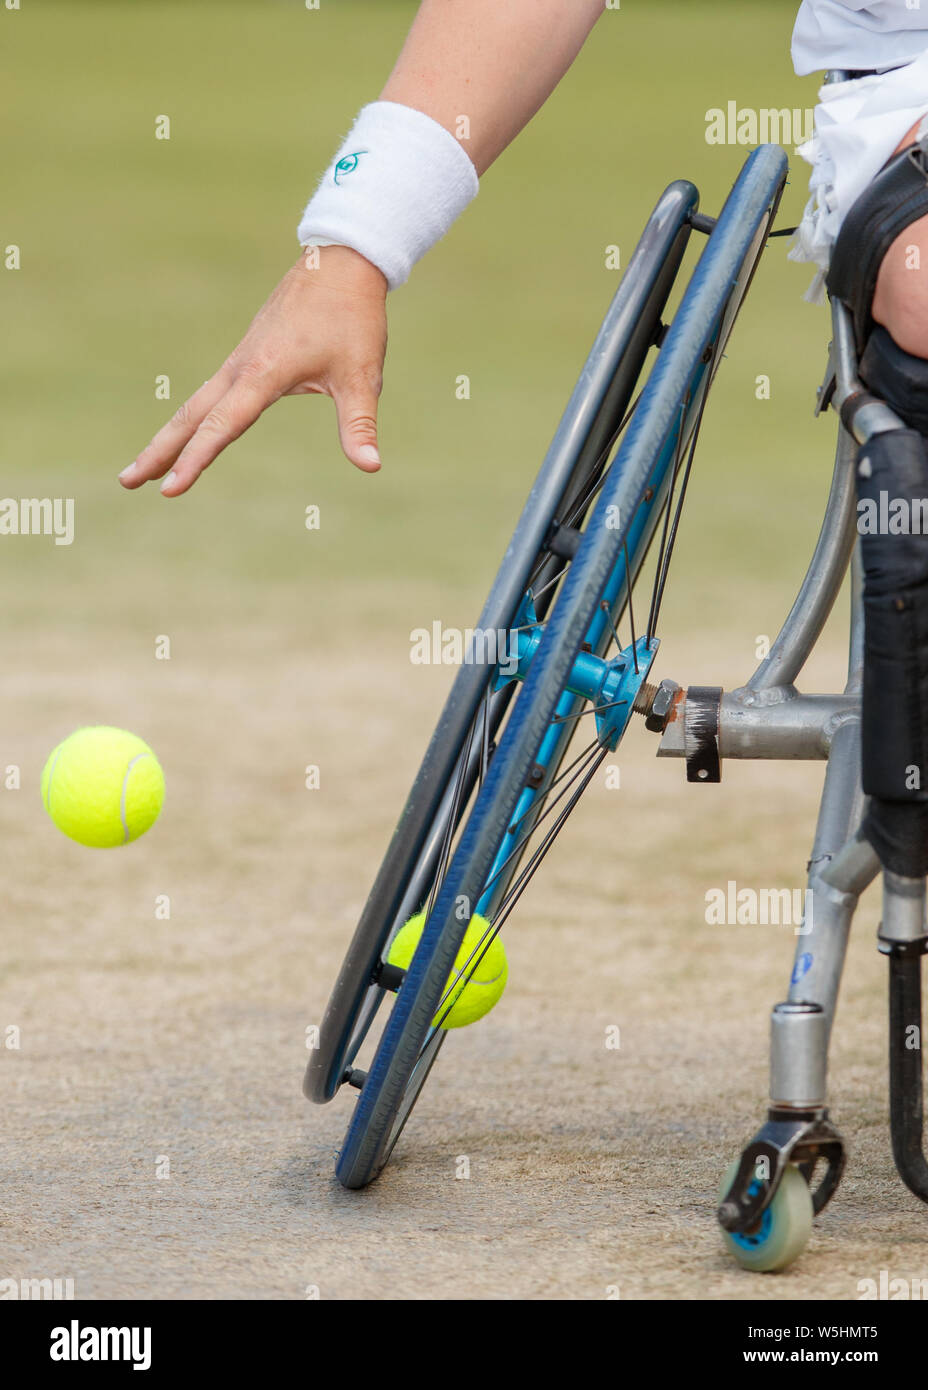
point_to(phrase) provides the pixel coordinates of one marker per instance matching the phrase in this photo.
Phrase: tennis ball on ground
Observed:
(103, 787)
(477, 979)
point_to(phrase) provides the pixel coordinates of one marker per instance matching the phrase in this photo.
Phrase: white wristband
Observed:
(394, 188)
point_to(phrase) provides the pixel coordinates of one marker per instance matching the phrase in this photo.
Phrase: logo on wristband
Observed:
(348, 163)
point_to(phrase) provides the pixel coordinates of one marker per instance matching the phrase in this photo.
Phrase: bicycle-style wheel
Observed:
(566, 583)
(568, 477)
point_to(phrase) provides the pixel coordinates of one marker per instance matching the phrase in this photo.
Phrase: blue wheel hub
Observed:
(750, 1240)
(611, 685)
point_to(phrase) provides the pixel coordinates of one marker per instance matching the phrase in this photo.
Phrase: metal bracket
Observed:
(563, 541)
(701, 733)
(803, 1138)
(825, 392)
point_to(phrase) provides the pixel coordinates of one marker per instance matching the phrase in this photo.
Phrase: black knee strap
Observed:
(892, 492)
(898, 831)
(897, 378)
(897, 197)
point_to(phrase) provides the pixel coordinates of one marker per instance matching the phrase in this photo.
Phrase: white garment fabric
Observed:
(858, 124)
(862, 34)
(395, 186)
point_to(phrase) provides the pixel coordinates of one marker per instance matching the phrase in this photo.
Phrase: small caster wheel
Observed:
(784, 1227)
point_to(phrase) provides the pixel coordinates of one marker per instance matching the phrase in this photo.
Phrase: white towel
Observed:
(858, 124)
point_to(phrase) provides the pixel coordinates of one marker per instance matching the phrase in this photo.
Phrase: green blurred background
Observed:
(142, 257)
(145, 1036)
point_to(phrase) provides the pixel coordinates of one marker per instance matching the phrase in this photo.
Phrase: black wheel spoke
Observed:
(600, 472)
(631, 608)
(585, 758)
(518, 887)
(582, 713)
(593, 759)
(485, 739)
(445, 853)
(664, 566)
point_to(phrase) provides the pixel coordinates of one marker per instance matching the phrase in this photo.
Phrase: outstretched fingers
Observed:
(157, 457)
(227, 420)
(221, 411)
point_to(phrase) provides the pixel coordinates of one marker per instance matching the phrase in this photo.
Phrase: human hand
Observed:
(323, 331)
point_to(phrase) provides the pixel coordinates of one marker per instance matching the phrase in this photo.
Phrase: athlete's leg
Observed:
(900, 302)
(876, 270)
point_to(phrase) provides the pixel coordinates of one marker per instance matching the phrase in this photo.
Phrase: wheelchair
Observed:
(517, 744)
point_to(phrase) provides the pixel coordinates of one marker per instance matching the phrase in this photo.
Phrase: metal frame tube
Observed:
(800, 727)
(822, 581)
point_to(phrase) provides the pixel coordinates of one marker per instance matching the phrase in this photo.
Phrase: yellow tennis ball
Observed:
(103, 787)
(477, 979)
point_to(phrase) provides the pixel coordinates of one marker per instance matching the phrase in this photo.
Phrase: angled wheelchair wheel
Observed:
(566, 483)
(494, 790)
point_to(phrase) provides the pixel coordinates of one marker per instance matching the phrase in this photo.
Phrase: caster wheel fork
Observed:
(767, 1202)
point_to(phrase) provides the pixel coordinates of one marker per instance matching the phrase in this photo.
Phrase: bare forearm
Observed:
(323, 330)
(494, 61)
